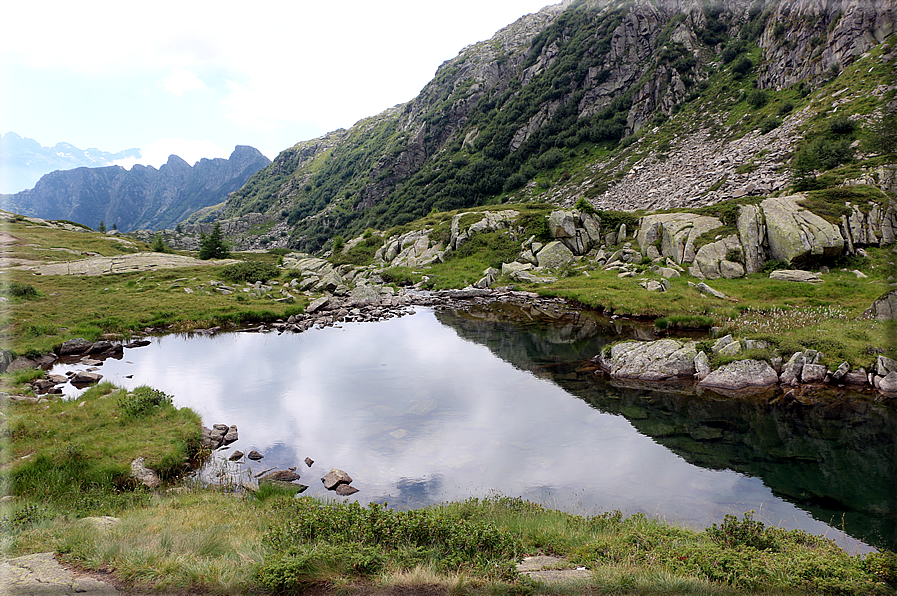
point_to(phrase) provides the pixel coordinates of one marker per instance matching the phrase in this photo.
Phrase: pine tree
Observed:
(159, 245)
(102, 227)
(212, 246)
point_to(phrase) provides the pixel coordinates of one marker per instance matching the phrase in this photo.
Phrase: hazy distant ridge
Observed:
(23, 161)
(142, 197)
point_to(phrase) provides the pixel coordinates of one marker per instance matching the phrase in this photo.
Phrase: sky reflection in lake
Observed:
(416, 415)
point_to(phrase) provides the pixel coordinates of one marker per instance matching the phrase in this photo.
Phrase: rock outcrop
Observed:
(659, 360)
(741, 374)
(796, 235)
(883, 309)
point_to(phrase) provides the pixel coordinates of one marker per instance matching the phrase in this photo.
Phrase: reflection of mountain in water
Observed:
(836, 459)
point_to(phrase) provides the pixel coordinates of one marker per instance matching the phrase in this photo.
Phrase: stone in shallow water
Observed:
(281, 475)
(255, 455)
(344, 490)
(334, 478)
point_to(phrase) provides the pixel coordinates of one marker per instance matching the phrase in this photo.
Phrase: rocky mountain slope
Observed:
(23, 161)
(142, 197)
(628, 104)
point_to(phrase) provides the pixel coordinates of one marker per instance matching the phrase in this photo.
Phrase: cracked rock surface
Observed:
(42, 574)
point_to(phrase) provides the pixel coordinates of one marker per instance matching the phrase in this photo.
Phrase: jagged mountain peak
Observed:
(142, 197)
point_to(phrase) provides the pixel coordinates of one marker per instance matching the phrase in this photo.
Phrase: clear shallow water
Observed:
(443, 406)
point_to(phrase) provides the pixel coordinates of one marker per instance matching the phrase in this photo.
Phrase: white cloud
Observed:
(180, 81)
(279, 71)
(190, 150)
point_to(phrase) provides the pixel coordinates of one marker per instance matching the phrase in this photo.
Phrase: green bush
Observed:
(881, 134)
(19, 290)
(769, 124)
(585, 206)
(159, 245)
(757, 98)
(401, 276)
(143, 401)
(338, 243)
(250, 271)
(747, 532)
(741, 67)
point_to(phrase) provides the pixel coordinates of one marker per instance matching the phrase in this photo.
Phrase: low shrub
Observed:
(401, 276)
(250, 271)
(143, 401)
(312, 540)
(19, 290)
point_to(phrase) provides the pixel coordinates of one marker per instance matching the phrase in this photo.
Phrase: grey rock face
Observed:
(675, 232)
(741, 375)
(795, 275)
(554, 254)
(712, 260)
(795, 234)
(144, 475)
(791, 373)
(142, 197)
(659, 360)
(813, 373)
(883, 309)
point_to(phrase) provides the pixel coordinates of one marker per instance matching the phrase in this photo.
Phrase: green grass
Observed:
(208, 541)
(74, 454)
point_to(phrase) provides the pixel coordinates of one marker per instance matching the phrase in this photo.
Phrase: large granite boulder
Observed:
(752, 233)
(675, 232)
(555, 254)
(795, 234)
(883, 309)
(715, 260)
(664, 359)
(741, 374)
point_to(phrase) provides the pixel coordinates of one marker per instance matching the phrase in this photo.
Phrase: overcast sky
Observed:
(197, 78)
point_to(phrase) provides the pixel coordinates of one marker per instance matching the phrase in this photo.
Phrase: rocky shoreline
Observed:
(685, 365)
(663, 364)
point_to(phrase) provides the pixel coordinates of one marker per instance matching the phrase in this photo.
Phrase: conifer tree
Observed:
(212, 246)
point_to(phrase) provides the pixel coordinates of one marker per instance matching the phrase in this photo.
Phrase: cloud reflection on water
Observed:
(416, 414)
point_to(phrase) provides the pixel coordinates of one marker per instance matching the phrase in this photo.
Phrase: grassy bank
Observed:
(52, 308)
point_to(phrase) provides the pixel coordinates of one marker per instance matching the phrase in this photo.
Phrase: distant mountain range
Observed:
(140, 198)
(23, 161)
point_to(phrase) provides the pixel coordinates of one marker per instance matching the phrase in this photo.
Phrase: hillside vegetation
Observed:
(617, 102)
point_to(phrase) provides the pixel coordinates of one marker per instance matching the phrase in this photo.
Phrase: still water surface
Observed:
(443, 406)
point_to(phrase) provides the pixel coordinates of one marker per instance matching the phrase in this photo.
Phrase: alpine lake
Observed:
(497, 398)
